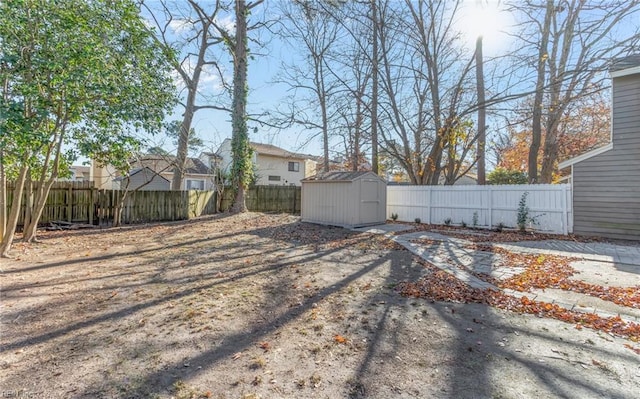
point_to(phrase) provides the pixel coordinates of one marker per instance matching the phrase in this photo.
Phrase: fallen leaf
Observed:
(265, 346)
(636, 350)
(339, 339)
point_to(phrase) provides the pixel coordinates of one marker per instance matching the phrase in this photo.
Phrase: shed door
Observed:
(370, 201)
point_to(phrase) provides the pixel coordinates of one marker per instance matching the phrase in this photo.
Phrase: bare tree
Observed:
(308, 27)
(374, 87)
(573, 41)
(426, 81)
(192, 44)
(482, 112)
(241, 164)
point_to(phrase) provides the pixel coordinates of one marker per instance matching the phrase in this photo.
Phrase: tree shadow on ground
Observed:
(394, 344)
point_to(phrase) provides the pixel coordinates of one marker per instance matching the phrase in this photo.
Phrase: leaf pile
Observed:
(491, 236)
(550, 271)
(439, 285)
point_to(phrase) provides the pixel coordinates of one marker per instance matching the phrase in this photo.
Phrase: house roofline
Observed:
(625, 72)
(585, 156)
(291, 156)
(129, 175)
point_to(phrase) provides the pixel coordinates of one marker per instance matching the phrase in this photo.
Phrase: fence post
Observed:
(70, 203)
(90, 206)
(490, 204)
(295, 191)
(565, 218)
(429, 198)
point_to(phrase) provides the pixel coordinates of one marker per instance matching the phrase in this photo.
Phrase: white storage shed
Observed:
(346, 199)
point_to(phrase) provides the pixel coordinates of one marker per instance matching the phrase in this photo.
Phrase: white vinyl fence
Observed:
(549, 205)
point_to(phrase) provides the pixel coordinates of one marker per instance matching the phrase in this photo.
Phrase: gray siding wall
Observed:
(138, 180)
(606, 187)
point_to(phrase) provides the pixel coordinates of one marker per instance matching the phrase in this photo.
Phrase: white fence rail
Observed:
(549, 205)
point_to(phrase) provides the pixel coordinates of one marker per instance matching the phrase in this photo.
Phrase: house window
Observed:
(294, 166)
(274, 178)
(193, 184)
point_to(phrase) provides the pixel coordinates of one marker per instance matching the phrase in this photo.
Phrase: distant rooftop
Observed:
(620, 64)
(339, 176)
(165, 163)
(270, 149)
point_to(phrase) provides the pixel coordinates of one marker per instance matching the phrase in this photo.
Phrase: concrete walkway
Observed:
(600, 264)
(598, 251)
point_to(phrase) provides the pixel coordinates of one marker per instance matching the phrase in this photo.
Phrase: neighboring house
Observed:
(197, 175)
(467, 179)
(142, 179)
(104, 176)
(606, 181)
(401, 178)
(78, 173)
(273, 165)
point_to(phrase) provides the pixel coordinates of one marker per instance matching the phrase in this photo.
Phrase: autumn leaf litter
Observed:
(264, 306)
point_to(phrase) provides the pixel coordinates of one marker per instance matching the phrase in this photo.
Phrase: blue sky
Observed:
(214, 126)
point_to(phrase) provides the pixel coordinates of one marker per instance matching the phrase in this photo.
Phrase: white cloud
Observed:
(179, 26)
(210, 81)
(228, 23)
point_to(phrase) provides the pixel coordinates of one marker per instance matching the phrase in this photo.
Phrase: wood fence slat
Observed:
(82, 202)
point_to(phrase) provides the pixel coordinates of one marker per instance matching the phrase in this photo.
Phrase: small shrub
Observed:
(499, 227)
(475, 220)
(394, 216)
(523, 212)
(417, 220)
(463, 223)
(447, 222)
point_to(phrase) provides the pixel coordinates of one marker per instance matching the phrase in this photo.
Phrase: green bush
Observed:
(505, 176)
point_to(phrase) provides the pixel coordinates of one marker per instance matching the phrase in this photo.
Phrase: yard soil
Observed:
(263, 306)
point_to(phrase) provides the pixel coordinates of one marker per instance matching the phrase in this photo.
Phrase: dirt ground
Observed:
(263, 306)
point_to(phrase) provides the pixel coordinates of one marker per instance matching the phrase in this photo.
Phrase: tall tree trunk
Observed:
(183, 146)
(240, 149)
(16, 206)
(355, 152)
(550, 156)
(44, 185)
(322, 100)
(482, 134)
(536, 128)
(3, 197)
(374, 89)
(189, 110)
(39, 201)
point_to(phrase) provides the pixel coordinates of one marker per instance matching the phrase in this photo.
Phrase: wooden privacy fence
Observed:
(151, 206)
(80, 202)
(285, 199)
(549, 205)
(68, 201)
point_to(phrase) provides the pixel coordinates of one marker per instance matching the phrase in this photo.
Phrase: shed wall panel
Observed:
(359, 202)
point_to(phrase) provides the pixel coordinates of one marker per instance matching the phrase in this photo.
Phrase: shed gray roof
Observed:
(340, 176)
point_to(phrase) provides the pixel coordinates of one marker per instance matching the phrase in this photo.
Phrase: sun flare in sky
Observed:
(484, 18)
